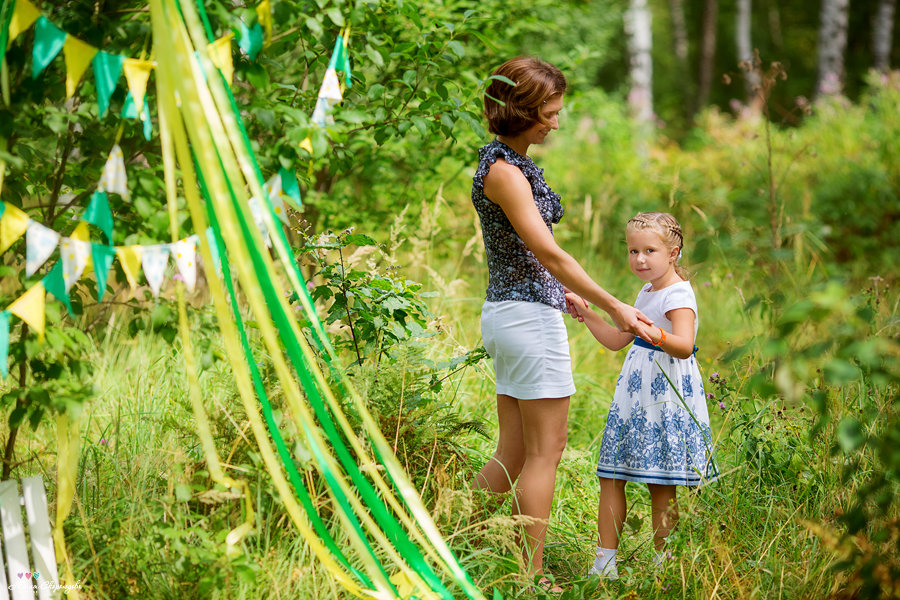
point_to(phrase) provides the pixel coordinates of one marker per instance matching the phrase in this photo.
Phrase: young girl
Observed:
(657, 431)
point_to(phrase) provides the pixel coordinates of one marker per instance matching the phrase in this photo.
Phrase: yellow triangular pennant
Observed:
(82, 233)
(137, 72)
(220, 55)
(78, 56)
(264, 16)
(130, 260)
(30, 308)
(13, 225)
(24, 15)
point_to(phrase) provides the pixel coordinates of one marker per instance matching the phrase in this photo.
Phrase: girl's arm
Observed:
(680, 341)
(605, 333)
(506, 186)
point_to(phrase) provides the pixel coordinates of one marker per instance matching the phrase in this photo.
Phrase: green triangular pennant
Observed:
(48, 41)
(290, 187)
(129, 111)
(98, 214)
(107, 70)
(103, 258)
(4, 343)
(56, 285)
(251, 40)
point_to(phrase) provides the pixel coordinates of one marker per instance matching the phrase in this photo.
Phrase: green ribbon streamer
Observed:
(107, 70)
(250, 40)
(98, 213)
(217, 247)
(290, 187)
(386, 521)
(6, 13)
(48, 41)
(4, 343)
(103, 259)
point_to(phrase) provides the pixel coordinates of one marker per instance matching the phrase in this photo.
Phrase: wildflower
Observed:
(722, 405)
(177, 277)
(710, 395)
(103, 442)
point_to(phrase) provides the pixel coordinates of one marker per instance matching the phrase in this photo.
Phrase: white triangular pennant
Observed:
(331, 88)
(276, 197)
(154, 260)
(75, 254)
(257, 212)
(113, 178)
(184, 253)
(40, 242)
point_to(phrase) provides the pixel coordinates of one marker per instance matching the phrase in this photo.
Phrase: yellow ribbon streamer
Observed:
(67, 434)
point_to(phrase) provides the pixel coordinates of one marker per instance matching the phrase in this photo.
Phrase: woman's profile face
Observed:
(537, 133)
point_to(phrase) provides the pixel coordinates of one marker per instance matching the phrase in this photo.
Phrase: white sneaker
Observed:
(610, 572)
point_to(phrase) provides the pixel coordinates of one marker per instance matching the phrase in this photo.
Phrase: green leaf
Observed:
(334, 13)
(459, 51)
(375, 56)
(502, 78)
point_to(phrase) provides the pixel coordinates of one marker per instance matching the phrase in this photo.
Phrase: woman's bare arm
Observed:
(506, 186)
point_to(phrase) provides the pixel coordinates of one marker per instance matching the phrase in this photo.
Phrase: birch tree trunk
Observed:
(745, 53)
(640, 43)
(679, 32)
(832, 45)
(707, 51)
(882, 27)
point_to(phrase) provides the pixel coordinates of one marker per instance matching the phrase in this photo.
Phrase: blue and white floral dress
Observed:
(653, 434)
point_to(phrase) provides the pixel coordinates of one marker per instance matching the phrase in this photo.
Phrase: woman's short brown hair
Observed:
(536, 82)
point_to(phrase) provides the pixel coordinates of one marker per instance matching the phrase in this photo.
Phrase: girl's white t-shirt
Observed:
(655, 304)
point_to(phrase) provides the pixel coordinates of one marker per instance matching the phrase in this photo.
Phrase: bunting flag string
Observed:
(50, 40)
(79, 255)
(330, 93)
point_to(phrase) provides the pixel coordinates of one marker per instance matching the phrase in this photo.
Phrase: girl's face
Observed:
(537, 133)
(649, 258)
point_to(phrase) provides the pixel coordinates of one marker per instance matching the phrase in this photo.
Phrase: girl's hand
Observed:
(573, 304)
(630, 320)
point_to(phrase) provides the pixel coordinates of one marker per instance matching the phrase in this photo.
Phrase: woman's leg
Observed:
(544, 437)
(503, 468)
(664, 512)
(611, 511)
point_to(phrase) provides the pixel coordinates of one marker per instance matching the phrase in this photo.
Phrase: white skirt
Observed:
(530, 348)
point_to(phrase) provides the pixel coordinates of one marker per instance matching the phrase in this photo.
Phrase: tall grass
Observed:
(148, 521)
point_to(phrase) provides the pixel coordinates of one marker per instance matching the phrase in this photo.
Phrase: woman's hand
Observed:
(573, 304)
(630, 320)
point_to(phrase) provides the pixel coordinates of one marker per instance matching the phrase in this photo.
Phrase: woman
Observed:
(521, 320)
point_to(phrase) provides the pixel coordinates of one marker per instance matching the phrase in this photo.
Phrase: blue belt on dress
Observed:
(640, 342)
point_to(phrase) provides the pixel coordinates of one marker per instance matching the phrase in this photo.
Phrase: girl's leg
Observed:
(664, 512)
(544, 436)
(503, 468)
(611, 512)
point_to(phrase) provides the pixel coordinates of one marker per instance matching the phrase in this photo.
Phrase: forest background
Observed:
(789, 194)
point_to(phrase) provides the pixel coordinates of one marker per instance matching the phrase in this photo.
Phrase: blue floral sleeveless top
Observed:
(514, 272)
